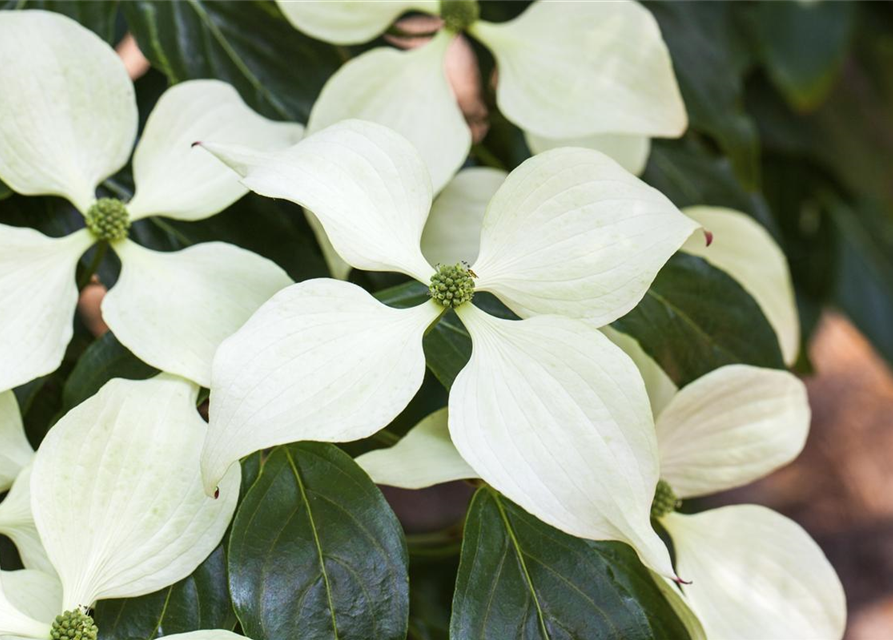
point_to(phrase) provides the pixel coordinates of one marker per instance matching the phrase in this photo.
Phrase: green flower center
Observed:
(107, 219)
(665, 500)
(74, 625)
(452, 285)
(458, 15)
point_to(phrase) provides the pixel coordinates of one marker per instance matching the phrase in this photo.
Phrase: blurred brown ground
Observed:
(841, 487)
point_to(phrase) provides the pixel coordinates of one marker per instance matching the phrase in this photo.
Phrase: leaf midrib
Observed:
(322, 564)
(520, 554)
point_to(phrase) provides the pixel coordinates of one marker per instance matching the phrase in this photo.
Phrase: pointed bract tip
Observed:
(197, 143)
(216, 493)
(708, 235)
(680, 581)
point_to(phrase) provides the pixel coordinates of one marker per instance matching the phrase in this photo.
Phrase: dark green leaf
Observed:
(520, 578)
(864, 274)
(314, 548)
(689, 175)
(278, 70)
(802, 46)
(695, 318)
(709, 59)
(5, 191)
(200, 601)
(99, 17)
(103, 360)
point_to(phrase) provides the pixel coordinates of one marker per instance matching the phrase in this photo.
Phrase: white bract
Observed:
(569, 74)
(68, 120)
(117, 500)
(15, 451)
(739, 245)
(754, 573)
(548, 410)
(581, 74)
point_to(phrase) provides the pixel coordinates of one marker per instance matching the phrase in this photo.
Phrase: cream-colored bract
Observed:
(36, 594)
(571, 233)
(566, 71)
(14, 622)
(630, 151)
(745, 250)
(322, 360)
(117, 496)
(175, 180)
(68, 114)
(211, 634)
(68, 120)
(569, 69)
(406, 91)
(349, 21)
(17, 523)
(453, 230)
(548, 403)
(367, 185)
(756, 574)
(425, 456)
(15, 450)
(207, 292)
(731, 427)
(38, 296)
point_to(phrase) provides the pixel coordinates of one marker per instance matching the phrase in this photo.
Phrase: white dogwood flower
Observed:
(117, 499)
(547, 410)
(68, 120)
(569, 74)
(739, 245)
(753, 572)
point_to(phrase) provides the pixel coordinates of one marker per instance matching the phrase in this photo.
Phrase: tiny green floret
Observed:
(665, 500)
(74, 625)
(107, 219)
(452, 285)
(458, 15)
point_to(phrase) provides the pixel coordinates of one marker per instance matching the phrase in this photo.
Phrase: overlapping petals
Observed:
(117, 495)
(550, 221)
(406, 91)
(206, 291)
(365, 184)
(630, 151)
(322, 360)
(176, 181)
(68, 121)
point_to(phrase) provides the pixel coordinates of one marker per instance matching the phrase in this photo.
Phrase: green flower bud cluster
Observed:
(74, 625)
(107, 219)
(452, 285)
(458, 15)
(665, 500)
